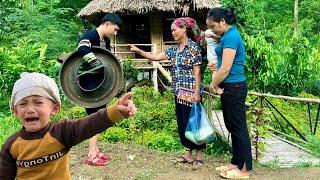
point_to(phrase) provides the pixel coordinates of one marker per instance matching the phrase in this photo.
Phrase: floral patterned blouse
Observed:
(182, 65)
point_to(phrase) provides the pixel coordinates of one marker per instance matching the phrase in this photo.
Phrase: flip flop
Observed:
(182, 159)
(197, 164)
(233, 174)
(224, 168)
(103, 156)
(96, 161)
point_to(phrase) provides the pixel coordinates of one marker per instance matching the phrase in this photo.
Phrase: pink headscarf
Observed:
(190, 23)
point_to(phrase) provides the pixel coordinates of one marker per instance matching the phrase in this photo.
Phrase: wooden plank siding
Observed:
(156, 31)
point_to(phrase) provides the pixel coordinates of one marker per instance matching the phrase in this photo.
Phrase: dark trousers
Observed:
(182, 114)
(234, 113)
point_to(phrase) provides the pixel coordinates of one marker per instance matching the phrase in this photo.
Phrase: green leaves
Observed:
(258, 120)
(9, 125)
(40, 22)
(114, 134)
(32, 35)
(313, 144)
(26, 57)
(277, 62)
(129, 70)
(154, 124)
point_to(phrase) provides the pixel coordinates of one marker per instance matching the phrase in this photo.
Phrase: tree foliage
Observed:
(278, 62)
(33, 34)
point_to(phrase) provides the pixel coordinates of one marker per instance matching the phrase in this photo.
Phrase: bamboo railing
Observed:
(143, 63)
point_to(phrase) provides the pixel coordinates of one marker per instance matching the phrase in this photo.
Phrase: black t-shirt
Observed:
(94, 39)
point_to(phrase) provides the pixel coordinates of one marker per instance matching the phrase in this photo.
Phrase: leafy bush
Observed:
(8, 126)
(218, 147)
(114, 134)
(26, 57)
(258, 123)
(154, 123)
(315, 87)
(154, 111)
(69, 111)
(47, 24)
(313, 145)
(129, 70)
(159, 140)
(165, 142)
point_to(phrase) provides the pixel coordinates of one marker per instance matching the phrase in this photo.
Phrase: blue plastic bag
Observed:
(199, 129)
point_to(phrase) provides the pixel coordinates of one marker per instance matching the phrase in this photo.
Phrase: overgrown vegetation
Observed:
(277, 61)
(33, 34)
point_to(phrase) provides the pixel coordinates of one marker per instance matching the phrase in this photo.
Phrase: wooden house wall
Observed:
(156, 31)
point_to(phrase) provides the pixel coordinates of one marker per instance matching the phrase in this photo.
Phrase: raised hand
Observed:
(134, 48)
(125, 105)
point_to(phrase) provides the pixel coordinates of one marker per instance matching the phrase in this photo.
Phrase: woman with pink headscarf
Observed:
(186, 59)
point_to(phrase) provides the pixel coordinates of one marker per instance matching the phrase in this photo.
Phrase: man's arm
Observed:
(84, 49)
(85, 44)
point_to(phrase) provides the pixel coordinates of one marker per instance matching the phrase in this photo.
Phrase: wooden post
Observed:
(296, 18)
(155, 69)
(115, 45)
(164, 72)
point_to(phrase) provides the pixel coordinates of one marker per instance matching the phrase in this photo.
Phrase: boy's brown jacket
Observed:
(45, 154)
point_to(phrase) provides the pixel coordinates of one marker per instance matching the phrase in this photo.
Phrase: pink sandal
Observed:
(104, 156)
(96, 161)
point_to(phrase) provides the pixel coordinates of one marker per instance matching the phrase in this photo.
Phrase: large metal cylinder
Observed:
(93, 87)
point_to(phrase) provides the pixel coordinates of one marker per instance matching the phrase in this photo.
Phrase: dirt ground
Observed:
(135, 162)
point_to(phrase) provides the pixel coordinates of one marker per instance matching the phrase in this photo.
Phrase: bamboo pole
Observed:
(155, 69)
(163, 71)
(296, 18)
(303, 100)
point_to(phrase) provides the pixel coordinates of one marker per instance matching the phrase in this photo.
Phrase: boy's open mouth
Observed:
(32, 119)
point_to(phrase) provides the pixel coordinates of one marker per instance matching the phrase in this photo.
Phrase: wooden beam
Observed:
(163, 71)
(304, 100)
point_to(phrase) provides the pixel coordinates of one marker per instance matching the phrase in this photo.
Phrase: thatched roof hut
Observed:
(96, 8)
(146, 22)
